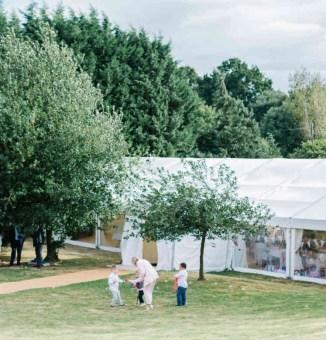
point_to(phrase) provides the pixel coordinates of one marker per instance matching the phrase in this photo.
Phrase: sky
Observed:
(279, 36)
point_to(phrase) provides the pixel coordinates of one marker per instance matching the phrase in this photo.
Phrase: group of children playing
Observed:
(180, 285)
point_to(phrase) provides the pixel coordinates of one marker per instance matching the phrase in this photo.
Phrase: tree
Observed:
(284, 126)
(235, 133)
(3, 19)
(209, 85)
(308, 97)
(8, 21)
(60, 152)
(242, 82)
(161, 111)
(266, 101)
(311, 149)
(192, 76)
(199, 201)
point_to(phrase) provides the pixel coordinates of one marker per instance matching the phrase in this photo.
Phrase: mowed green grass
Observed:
(223, 307)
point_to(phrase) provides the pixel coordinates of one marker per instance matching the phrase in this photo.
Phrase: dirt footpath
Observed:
(56, 281)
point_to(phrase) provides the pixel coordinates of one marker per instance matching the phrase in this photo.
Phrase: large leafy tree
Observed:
(208, 86)
(234, 133)
(308, 99)
(284, 126)
(161, 111)
(266, 101)
(199, 201)
(60, 153)
(242, 82)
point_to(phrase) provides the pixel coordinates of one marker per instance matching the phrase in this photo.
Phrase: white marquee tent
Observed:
(294, 190)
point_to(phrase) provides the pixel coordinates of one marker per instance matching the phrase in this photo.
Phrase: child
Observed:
(139, 285)
(182, 284)
(113, 282)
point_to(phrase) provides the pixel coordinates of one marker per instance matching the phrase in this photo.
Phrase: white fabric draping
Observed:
(130, 246)
(297, 258)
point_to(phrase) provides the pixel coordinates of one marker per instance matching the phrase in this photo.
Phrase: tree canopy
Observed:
(267, 100)
(311, 149)
(284, 126)
(234, 133)
(308, 97)
(60, 152)
(168, 109)
(161, 111)
(199, 201)
(242, 82)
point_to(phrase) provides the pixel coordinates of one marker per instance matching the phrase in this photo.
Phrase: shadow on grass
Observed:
(73, 259)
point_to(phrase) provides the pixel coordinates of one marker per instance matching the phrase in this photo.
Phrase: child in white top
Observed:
(113, 282)
(182, 284)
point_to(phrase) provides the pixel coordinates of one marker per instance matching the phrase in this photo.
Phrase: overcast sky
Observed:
(279, 36)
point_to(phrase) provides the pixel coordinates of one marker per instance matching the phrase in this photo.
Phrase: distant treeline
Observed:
(169, 110)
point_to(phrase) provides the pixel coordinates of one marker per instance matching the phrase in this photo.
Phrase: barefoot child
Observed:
(182, 284)
(113, 282)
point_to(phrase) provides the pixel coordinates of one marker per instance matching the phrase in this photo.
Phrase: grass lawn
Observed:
(226, 306)
(73, 259)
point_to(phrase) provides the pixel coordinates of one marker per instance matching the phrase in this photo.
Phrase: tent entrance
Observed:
(111, 232)
(150, 251)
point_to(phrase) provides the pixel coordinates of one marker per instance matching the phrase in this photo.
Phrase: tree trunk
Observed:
(201, 260)
(51, 248)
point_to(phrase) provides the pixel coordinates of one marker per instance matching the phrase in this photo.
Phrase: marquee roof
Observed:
(294, 189)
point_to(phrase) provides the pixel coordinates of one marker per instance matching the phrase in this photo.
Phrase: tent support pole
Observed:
(173, 255)
(288, 251)
(98, 233)
(228, 263)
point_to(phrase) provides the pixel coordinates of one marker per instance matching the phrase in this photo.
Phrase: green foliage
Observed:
(199, 201)
(234, 133)
(242, 82)
(3, 19)
(267, 100)
(308, 98)
(267, 147)
(159, 102)
(161, 111)
(311, 149)
(8, 21)
(281, 123)
(191, 75)
(60, 153)
(208, 85)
